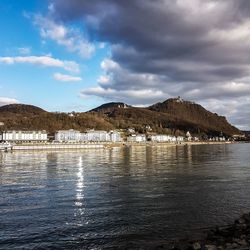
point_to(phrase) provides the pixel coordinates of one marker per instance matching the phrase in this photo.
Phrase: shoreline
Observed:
(103, 145)
(233, 236)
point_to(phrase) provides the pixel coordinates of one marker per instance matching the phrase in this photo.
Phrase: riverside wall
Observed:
(100, 145)
(56, 146)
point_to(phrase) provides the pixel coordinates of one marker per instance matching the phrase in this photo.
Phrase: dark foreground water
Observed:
(120, 198)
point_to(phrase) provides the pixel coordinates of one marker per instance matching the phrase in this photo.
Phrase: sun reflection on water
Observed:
(79, 201)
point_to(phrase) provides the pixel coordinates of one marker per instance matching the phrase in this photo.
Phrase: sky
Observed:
(77, 54)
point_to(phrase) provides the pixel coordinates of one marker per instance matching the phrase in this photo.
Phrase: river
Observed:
(124, 197)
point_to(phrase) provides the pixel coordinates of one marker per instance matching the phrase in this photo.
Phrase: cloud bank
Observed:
(198, 49)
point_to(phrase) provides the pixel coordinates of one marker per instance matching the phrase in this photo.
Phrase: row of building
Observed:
(16, 136)
(61, 136)
(89, 136)
(154, 138)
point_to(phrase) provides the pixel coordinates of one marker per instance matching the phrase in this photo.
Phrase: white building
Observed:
(137, 138)
(115, 136)
(131, 130)
(68, 135)
(148, 128)
(163, 138)
(101, 136)
(24, 136)
(189, 137)
(90, 136)
(97, 136)
(180, 138)
(84, 137)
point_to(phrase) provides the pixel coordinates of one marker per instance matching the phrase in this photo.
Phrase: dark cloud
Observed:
(198, 49)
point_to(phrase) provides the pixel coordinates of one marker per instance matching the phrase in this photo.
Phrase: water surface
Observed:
(120, 197)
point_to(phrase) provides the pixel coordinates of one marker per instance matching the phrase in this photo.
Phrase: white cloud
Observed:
(108, 64)
(62, 35)
(45, 61)
(24, 50)
(104, 79)
(7, 100)
(113, 85)
(66, 78)
(137, 96)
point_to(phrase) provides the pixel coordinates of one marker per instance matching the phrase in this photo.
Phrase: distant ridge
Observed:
(173, 116)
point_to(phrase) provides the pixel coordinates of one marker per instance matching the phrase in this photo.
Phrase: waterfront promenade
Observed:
(99, 145)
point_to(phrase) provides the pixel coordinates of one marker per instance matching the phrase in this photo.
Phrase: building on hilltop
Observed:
(179, 99)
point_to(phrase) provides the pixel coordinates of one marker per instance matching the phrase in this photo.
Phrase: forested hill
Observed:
(173, 116)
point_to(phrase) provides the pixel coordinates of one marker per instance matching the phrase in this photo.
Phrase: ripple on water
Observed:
(122, 197)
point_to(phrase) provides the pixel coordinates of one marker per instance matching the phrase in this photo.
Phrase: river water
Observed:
(121, 197)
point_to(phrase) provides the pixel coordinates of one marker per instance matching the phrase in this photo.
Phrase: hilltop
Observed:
(21, 109)
(174, 116)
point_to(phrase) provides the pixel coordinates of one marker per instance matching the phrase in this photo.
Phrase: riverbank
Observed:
(179, 143)
(234, 236)
(100, 145)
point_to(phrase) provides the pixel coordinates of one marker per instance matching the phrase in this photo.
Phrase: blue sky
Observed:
(42, 85)
(65, 55)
